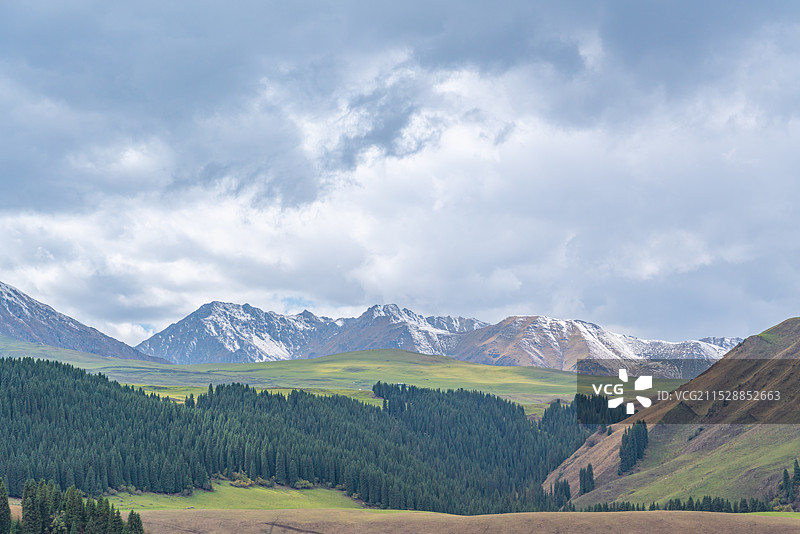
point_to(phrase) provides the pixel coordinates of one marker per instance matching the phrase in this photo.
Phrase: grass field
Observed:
(227, 497)
(369, 521)
(351, 374)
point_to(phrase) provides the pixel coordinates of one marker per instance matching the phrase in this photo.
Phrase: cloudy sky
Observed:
(633, 164)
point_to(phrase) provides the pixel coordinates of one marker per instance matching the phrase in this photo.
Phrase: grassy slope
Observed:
(731, 461)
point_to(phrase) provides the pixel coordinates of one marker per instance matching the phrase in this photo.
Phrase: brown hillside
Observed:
(715, 451)
(509, 343)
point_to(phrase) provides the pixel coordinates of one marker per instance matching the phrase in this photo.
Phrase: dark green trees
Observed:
(796, 475)
(450, 451)
(5, 510)
(134, 525)
(634, 442)
(46, 510)
(788, 484)
(586, 479)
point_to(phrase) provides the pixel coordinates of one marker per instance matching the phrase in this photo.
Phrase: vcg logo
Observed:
(641, 384)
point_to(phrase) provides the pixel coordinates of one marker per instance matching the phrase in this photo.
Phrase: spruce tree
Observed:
(31, 518)
(589, 478)
(293, 474)
(796, 477)
(786, 482)
(90, 482)
(280, 468)
(5, 510)
(134, 525)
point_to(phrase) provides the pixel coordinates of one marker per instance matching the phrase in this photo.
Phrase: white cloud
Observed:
(571, 180)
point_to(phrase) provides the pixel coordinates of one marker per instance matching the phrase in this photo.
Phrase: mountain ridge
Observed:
(707, 447)
(26, 319)
(228, 332)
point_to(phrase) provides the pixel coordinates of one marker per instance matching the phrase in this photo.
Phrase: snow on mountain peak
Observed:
(26, 319)
(231, 332)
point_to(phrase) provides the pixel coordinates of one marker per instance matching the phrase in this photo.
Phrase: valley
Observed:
(701, 458)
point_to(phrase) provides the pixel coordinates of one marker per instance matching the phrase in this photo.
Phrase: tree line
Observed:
(46, 510)
(632, 447)
(706, 504)
(452, 451)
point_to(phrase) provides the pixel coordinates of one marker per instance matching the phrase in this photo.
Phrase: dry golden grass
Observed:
(365, 521)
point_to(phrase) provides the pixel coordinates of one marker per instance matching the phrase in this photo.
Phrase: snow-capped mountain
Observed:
(223, 332)
(26, 319)
(559, 344)
(727, 343)
(390, 327)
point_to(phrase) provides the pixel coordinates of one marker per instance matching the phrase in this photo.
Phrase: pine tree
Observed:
(31, 519)
(280, 468)
(743, 507)
(168, 477)
(786, 482)
(589, 478)
(116, 524)
(796, 478)
(586, 480)
(73, 508)
(632, 447)
(90, 482)
(5, 509)
(134, 525)
(293, 474)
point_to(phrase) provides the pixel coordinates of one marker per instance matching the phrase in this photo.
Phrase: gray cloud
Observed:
(632, 165)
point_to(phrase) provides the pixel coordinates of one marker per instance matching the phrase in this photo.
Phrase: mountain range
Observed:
(226, 332)
(26, 319)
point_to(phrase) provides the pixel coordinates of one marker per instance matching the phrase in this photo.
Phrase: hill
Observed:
(707, 446)
(455, 452)
(344, 373)
(226, 332)
(26, 319)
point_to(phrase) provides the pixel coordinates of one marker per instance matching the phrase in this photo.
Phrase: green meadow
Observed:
(227, 497)
(351, 374)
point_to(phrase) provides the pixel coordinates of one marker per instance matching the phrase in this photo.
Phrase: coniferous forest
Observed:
(46, 510)
(631, 449)
(449, 451)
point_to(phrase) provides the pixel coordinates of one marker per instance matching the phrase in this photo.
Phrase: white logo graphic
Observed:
(642, 383)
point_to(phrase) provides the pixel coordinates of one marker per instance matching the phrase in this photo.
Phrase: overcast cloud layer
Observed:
(630, 164)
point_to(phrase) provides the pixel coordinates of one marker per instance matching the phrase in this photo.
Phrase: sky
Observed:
(631, 164)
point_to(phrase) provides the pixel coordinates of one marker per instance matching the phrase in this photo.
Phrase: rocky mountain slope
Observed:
(706, 446)
(224, 332)
(26, 319)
